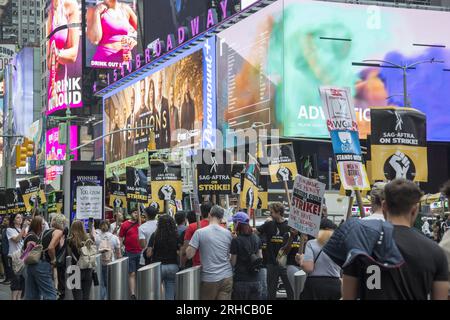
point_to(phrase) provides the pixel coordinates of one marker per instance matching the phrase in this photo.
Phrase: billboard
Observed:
(111, 33)
(177, 100)
(22, 93)
(304, 44)
(6, 53)
(5, 12)
(56, 151)
(64, 59)
(175, 21)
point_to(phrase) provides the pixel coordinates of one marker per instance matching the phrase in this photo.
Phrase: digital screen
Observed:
(56, 151)
(64, 58)
(22, 94)
(174, 100)
(111, 33)
(273, 70)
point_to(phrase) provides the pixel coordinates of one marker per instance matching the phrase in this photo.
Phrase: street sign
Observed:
(56, 162)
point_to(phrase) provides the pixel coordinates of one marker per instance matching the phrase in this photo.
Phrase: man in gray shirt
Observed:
(214, 243)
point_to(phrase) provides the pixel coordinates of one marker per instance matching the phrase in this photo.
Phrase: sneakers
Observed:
(6, 282)
(133, 297)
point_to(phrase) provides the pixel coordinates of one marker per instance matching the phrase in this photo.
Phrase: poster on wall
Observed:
(64, 55)
(399, 144)
(343, 127)
(111, 33)
(283, 167)
(32, 194)
(307, 205)
(304, 44)
(176, 102)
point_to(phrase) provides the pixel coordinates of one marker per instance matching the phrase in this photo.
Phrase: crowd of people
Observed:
(238, 261)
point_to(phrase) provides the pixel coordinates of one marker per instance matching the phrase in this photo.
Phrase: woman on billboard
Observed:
(63, 45)
(110, 26)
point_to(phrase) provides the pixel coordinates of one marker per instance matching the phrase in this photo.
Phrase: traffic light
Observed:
(23, 151)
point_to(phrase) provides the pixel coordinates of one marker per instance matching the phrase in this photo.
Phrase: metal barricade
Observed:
(187, 284)
(299, 283)
(118, 279)
(96, 290)
(149, 282)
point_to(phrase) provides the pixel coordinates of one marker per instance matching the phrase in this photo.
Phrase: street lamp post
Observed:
(404, 68)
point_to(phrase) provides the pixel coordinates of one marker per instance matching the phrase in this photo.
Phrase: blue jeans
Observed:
(262, 276)
(168, 272)
(39, 282)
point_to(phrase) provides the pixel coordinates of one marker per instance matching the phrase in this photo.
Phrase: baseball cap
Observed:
(241, 217)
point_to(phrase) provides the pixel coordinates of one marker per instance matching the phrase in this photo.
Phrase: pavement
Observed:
(5, 292)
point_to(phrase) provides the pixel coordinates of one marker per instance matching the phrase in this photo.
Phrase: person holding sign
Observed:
(323, 281)
(274, 231)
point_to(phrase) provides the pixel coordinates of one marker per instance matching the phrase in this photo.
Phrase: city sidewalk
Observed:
(5, 292)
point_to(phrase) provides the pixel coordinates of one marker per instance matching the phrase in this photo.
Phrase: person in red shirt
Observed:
(205, 208)
(129, 236)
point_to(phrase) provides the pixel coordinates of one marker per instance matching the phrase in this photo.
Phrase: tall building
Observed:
(20, 22)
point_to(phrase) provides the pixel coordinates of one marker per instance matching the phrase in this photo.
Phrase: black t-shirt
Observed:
(244, 246)
(294, 249)
(166, 252)
(425, 262)
(274, 233)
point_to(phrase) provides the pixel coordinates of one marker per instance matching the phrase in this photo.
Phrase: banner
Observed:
(398, 144)
(249, 194)
(14, 201)
(139, 161)
(213, 178)
(236, 178)
(137, 185)
(166, 181)
(307, 200)
(283, 167)
(30, 190)
(118, 197)
(89, 202)
(342, 125)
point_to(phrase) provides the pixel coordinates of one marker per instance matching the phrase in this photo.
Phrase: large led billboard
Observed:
(111, 33)
(273, 70)
(64, 59)
(177, 100)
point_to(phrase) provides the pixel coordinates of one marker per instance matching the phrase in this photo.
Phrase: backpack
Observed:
(254, 261)
(106, 250)
(5, 243)
(88, 251)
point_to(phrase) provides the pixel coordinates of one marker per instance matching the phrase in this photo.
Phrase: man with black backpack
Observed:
(246, 258)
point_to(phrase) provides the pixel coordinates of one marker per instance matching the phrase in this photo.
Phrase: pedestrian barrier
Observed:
(95, 290)
(299, 283)
(118, 279)
(149, 282)
(67, 292)
(187, 284)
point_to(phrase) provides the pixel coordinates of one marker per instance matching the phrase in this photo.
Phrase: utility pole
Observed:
(8, 162)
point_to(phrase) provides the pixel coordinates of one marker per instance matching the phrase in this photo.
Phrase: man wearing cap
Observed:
(376, 198)
(424, 272)
(214, 243)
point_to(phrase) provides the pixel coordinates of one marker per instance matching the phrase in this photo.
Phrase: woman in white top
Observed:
(16, 233)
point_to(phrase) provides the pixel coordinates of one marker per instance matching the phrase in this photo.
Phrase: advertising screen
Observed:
(174, 100)
(64, 59)
(56, 151)
(111, 33)
(168, 17)
(22, 94)
(303, 44)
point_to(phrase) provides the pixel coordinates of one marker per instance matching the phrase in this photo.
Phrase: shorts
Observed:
(133, 261)
(17, 281)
